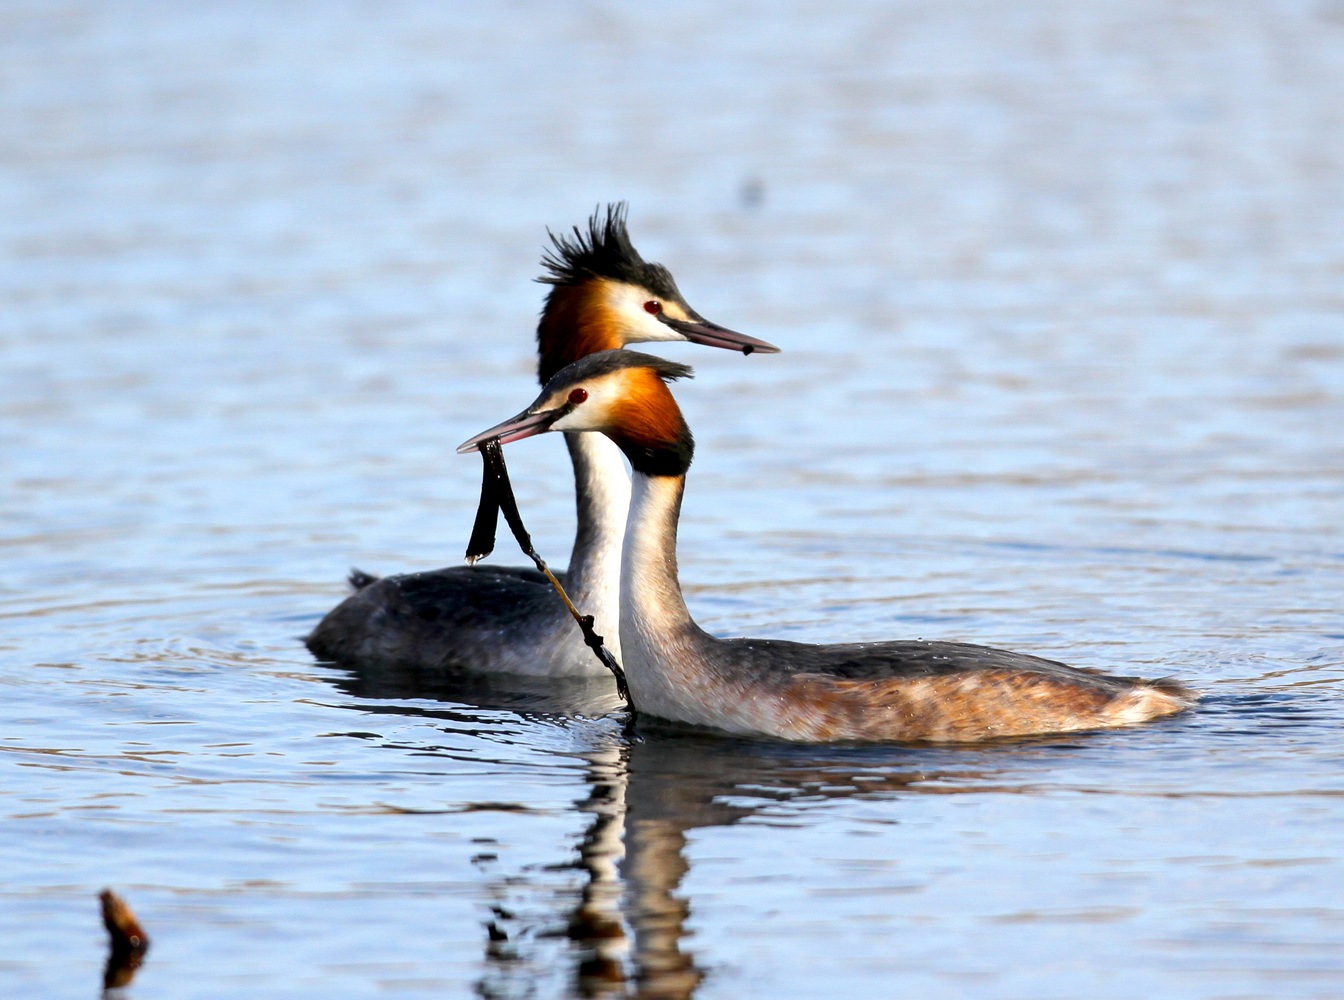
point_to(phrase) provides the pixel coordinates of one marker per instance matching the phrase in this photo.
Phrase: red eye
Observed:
(577, 396)
(653, 307)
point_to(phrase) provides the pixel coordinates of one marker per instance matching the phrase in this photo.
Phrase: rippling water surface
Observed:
(1060, 291)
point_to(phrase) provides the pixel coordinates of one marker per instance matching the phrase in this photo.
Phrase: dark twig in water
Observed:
(497, 495)
(129, 941)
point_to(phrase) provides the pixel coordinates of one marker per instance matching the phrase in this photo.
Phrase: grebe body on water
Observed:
(508, 619)
(904, 690)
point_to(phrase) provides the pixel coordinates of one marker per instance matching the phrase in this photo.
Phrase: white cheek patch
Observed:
(591, 414)
(572, 421)
(637, 324)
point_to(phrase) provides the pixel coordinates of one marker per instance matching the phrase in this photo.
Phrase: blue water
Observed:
(1059, 289)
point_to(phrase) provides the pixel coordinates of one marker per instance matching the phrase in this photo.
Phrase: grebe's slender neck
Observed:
(649, 563)
(666, 654)
(602, 494)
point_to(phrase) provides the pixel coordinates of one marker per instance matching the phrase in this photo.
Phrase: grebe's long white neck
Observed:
(649, 562)
(664, 650)
(602, 493)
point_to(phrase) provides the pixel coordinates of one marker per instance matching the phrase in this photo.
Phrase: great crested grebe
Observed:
(903, 690)
(508, 619)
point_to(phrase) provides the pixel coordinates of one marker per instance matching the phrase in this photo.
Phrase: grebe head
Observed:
(622, 394)
(606, 296)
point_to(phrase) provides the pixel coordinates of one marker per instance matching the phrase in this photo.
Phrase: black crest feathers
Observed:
(608, 362)
(603, 251)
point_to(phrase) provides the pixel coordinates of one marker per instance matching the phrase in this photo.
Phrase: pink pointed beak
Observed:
(702, 331)
(524, 425)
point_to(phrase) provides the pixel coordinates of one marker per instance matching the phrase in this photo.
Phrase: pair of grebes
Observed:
(614, 407)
